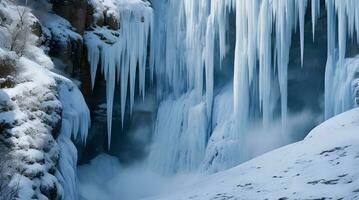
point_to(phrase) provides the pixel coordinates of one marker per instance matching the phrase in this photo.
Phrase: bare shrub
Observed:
(18, 30)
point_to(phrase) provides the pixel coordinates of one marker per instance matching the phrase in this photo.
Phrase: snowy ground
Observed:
(322, 166)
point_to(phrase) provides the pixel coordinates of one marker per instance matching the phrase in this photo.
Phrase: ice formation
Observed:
(183, 56)
(185, 146)
(189, 40)
(344, 86)
(185, 59)
(123, 54)
(74, 127)
(202, 28)
(343, 14)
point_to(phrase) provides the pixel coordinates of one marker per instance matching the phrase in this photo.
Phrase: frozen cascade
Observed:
(184, 148)
(182, 56)
(345, 85)
(123, 54)
(74, 127)
(338, 72)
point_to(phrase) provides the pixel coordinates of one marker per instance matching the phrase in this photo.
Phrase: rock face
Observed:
(75, 11)
(68, 48)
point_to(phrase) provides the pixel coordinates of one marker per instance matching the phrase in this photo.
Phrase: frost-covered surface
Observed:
(322, 166)
(123, 53)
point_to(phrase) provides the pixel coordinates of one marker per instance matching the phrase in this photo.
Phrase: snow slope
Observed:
(322, 166)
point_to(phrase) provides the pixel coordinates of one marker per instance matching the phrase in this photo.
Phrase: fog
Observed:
(106, 178)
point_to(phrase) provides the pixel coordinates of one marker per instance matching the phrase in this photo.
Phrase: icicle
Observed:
(93, 57)
(265, 63)
(342, 30)
(209, 65)
(331, 60)
(253, 10)
(241, 80)
(302, 6)
(315, 15)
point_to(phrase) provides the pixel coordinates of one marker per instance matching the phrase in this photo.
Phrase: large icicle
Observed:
(265, 61)
(331, 59)
(315, 15)
(302, 6)
(241, 72)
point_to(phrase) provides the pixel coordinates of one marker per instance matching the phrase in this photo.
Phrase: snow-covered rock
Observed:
(41, 113)
(322, 166)
(30, 122)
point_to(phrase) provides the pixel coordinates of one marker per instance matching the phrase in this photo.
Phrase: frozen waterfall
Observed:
(343, 22)
(183, 43)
